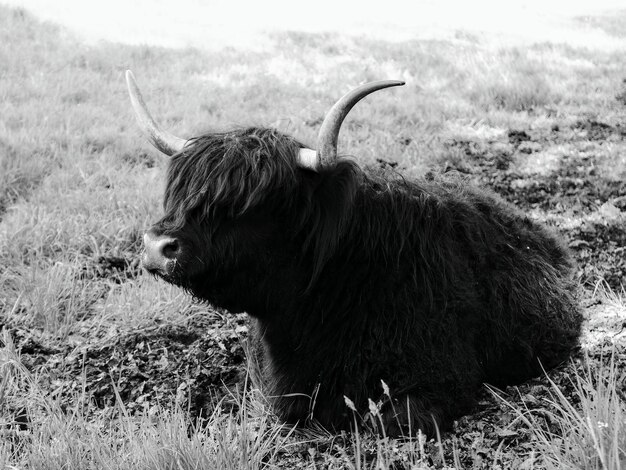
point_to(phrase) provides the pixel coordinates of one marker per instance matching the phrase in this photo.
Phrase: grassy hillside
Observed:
(104, 367)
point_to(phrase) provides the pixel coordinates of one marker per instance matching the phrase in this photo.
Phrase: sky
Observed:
(215, 24)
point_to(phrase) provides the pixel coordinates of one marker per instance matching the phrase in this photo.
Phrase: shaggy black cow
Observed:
(356, 277)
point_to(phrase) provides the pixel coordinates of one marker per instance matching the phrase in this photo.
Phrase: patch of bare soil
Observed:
(194, 365)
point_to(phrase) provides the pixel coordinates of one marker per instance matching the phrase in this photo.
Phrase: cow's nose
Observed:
(161, 253)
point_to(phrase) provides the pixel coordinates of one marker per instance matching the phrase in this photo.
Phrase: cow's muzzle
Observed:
(161, 253)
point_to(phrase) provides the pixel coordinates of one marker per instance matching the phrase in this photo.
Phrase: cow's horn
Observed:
(327, 138)
(164, 141)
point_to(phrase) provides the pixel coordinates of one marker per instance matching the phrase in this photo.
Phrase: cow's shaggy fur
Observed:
(433, 286)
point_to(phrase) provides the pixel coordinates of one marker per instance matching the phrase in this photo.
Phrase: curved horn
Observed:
(164, 141)
(329, 131)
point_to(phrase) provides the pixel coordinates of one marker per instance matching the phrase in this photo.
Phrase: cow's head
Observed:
(247, 200)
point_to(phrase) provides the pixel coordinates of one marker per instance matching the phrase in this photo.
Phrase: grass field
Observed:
(104, 367)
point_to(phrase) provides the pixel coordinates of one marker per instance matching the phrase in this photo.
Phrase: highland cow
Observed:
(358, 278)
